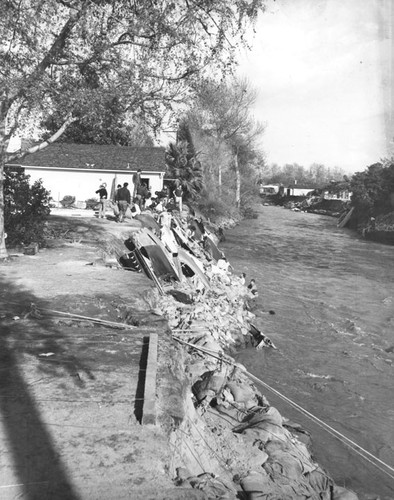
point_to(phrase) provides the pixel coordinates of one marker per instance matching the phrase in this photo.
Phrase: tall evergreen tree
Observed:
(183, 164)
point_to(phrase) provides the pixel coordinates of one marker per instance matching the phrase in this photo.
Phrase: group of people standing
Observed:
(140, 199)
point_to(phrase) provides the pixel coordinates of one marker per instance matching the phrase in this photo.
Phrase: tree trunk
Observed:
(3, 149)
(220, 181)
(237, 179)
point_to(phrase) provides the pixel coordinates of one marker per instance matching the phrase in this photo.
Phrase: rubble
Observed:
(229, 438)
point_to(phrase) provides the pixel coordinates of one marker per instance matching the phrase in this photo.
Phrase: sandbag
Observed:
(128, 213)
(255, 484)
(343, 494)
(241, 394)
(263, 424)
(259, 417)
(208, 386)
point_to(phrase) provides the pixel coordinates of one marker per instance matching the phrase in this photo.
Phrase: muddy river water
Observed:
(333, 297)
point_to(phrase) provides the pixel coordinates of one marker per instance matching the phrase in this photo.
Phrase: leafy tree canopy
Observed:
(110, 126)
(317, 175)
(222, 115)
(75, 56)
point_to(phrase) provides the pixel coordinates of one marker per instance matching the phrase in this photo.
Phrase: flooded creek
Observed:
(333, 297)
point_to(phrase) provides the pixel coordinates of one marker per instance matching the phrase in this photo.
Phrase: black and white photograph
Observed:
(196, 250)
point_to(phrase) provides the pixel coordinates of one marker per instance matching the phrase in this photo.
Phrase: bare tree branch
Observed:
(70, 119)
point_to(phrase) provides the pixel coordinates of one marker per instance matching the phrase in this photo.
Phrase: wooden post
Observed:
(149, 408)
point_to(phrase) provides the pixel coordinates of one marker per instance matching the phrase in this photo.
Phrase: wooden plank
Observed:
(149, 408)
(346, 219)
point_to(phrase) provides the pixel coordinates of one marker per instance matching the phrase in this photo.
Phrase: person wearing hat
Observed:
(103, 194)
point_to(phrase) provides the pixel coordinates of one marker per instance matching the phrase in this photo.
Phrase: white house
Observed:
(79, 169)
(343, 195)
(297, 190)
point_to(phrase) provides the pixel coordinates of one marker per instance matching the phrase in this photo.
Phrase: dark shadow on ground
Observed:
(72, 228)
(139, 395)
(27, 435)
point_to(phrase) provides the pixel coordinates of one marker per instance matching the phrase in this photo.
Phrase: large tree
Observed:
(183, 163)
(72, 57)
(223, 112)
(373, 190)
(111, 125)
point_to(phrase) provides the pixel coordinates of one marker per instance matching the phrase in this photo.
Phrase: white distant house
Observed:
(79, 169)
(343, 195)
(269, 189)
(298, 190)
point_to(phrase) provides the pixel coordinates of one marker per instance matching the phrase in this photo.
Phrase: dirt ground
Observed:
(70, 391)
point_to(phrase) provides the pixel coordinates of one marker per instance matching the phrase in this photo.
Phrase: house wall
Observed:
(298, 191)
(343, 196)
(84, 184)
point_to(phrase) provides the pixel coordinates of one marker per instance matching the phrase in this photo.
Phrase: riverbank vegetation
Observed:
(372, 194)
(219, 148)
(26, 207)
(316, 175)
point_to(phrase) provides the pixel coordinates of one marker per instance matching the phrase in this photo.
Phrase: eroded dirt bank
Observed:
(70, 390)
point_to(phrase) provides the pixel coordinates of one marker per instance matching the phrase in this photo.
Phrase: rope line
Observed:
(341, 437)
(369, 457)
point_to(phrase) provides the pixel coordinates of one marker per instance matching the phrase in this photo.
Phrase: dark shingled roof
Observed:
(93, 156)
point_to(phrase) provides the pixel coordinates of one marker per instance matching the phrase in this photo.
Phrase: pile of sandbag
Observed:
(231, 431)
(231, 439)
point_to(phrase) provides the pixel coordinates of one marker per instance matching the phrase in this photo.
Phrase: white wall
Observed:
(299, 191)
(84, 184)
(343, 196)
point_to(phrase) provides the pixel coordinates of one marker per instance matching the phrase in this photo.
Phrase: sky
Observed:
(322, 71)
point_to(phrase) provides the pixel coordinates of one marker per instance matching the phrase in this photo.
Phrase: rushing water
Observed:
(333, 297)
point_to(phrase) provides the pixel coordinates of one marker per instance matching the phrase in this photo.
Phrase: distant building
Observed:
(269, 189)
(298, 190)
(78, 169)
(342, 195)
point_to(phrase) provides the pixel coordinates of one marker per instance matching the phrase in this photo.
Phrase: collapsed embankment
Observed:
(225, 437)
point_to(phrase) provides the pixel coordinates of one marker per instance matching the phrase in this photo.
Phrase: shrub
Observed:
(213, 207)
(68, 201)
(25, 209)
(91, 203)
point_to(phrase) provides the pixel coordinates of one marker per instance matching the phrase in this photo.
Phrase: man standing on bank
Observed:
(136, 182)
(102, 192)
(178, 196)
(123, 199)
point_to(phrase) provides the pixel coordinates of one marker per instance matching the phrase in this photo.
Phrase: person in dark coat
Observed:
(142, 195)
(136, 182)
(123, 199)
(103, 194)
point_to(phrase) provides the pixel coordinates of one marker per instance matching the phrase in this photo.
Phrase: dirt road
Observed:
(70, 391)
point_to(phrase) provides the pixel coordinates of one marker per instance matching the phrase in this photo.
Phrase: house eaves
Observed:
(95, 157)
(65, 169)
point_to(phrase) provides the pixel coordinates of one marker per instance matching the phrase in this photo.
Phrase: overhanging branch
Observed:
(70, 119)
